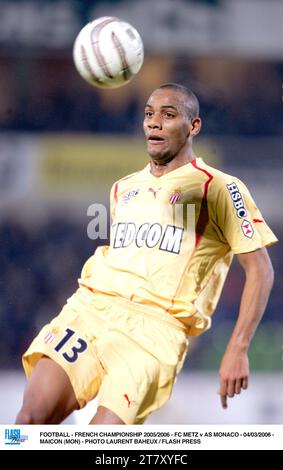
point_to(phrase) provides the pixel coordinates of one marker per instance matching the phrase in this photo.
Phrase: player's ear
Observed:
(195, 125)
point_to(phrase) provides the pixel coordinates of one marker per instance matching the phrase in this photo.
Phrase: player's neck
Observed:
(161, 168)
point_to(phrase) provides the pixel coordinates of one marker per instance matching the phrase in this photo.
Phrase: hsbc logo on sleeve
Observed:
(147, 235)
(247, 228)
(237, 200)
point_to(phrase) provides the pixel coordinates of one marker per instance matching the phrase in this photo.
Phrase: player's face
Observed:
(166, 124)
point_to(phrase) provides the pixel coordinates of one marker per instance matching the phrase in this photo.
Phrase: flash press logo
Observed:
(13, 437)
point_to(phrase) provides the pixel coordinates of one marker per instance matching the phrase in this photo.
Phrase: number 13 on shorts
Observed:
(70, 354)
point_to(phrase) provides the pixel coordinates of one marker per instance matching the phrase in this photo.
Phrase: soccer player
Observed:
(123, 335)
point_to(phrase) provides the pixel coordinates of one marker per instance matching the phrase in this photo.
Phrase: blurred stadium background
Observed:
(63, 143)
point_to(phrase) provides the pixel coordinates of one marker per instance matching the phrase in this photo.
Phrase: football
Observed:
(108, 52)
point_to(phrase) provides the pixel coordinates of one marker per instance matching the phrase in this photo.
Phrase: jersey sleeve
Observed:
(239, 220)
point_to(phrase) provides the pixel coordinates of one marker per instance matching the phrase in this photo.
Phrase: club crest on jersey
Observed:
(129, 195)
(247, 228)
(175, 196)
(237, 199)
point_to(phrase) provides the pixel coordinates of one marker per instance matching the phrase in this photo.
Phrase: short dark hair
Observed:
(191, 103)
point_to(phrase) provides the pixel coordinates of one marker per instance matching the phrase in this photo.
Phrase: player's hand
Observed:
(233, 374)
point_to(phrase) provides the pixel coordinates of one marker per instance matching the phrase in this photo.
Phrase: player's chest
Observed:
(159, 193)
(157, 202)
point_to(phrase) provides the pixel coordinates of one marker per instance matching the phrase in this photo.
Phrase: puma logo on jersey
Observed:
(237, 199)
(148, 235)
(130, 402)
(151, 190)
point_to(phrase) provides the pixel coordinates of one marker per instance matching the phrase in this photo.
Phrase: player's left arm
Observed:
(234, 368)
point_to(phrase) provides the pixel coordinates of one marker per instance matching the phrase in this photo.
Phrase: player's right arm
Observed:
(234, 369)
(240, 224)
